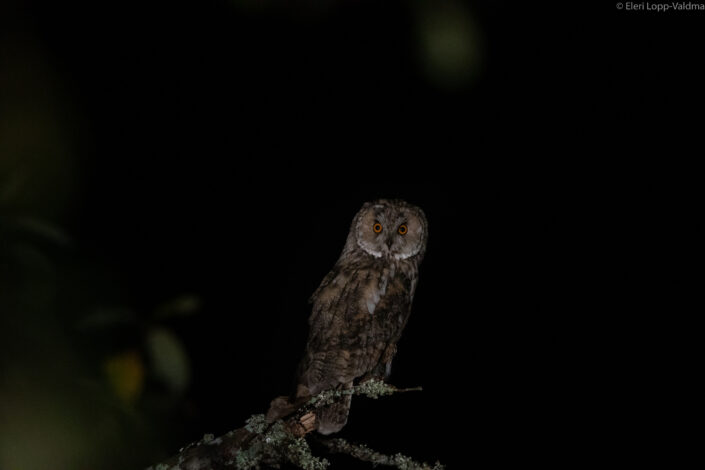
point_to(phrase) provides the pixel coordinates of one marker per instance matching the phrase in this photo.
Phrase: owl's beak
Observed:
(389, 243)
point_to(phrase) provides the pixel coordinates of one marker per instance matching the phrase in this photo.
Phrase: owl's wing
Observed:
(347, 296)
(357, 317)
(324, 283)
(327, 292)
(336, 339)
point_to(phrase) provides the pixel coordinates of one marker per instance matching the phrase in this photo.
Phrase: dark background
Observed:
(189, 171)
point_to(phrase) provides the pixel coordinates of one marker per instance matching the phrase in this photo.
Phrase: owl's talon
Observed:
(304, 425)
(308, 421)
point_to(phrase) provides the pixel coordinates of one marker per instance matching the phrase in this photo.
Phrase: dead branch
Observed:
(260, 443)
(364, 453)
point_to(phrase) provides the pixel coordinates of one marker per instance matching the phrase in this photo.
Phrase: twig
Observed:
(283, 441)
(364, 453)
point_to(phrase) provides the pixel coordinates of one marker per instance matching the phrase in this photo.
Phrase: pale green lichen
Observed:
(276, 434)
(402, 462)
(159, 466)
(371, 388)
(375, 389)
(362, 452)
(273, 444)
(299, 453)
(256, 424)
(248, 458)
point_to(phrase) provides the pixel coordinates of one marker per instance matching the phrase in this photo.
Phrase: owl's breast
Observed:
(360, 297)
(359, 312)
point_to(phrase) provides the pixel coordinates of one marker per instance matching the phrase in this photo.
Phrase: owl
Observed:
(360, 308)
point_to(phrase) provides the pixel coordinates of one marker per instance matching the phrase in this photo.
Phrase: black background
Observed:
(224, 151)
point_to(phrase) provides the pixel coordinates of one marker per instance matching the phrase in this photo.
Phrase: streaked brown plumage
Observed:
(361, 307)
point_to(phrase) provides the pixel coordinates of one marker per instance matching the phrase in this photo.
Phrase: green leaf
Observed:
(169, 359)
(181, 306)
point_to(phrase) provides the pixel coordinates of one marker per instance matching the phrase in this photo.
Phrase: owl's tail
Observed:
(332, 418)
(329, 419)
(280, 408)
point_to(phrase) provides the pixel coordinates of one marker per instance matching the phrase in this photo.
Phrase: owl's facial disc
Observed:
(391, 231)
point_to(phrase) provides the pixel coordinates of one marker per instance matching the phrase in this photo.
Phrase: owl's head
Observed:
(389, 229)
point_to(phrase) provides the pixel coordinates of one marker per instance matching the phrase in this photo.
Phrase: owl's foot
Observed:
(304, 425)
(308, 421)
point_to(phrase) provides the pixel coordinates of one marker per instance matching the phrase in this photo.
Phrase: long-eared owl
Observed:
(361, 307)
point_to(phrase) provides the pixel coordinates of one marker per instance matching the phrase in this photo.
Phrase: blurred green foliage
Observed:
(450, 43)
(82, 377)
(85, 380)
(38, 168)
(78, 389)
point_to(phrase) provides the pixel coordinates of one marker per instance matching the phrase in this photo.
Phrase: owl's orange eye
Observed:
(402, 229)
(377, 227)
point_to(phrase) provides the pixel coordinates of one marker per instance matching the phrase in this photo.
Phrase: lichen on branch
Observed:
(260, 444)
(364, 453)
(370, 388)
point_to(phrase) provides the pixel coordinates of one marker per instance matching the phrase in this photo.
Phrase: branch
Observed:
(370, 388)
(260, 443)
(364, 453)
